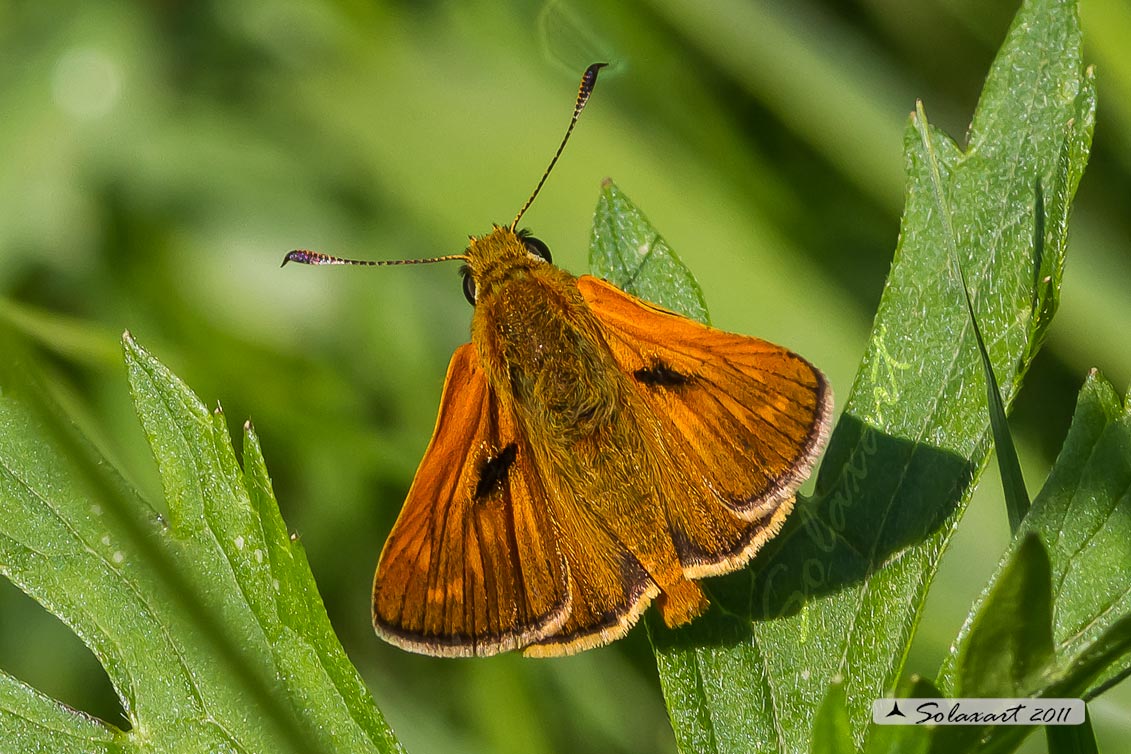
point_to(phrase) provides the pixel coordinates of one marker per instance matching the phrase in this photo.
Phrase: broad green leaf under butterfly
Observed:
(1007, 647)
(58, 543)
(838, 592)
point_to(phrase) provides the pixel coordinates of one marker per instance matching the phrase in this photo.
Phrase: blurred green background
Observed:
(159, 158)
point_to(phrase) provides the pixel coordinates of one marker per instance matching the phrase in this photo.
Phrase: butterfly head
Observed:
(499, 255)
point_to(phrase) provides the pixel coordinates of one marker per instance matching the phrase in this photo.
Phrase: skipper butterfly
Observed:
(593, 452)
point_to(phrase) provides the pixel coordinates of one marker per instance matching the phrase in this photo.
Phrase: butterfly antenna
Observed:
(588, 81)
(305, 256)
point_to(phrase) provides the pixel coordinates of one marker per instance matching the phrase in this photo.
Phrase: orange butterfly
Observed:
(592, 452)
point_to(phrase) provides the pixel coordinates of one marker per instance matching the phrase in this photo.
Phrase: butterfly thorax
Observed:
(538, 341)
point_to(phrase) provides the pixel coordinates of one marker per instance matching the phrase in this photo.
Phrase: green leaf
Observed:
(626, 250)
(832, 733)
(1012, 480)
(839, 591)
(116, 572)
(1072, 739)
(30, 721)
(904, 739)
(1010, 637)
(1076, 676)
(1074, 152)
(1083, 517)
(1007, 648)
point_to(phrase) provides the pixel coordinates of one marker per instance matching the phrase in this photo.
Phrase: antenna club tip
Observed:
(588, 81)
(302, 256)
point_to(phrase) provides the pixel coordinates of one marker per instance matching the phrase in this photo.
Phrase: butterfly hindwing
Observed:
(472, 565)
(742, 419)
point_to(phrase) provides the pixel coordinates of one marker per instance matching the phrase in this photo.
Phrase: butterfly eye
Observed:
(537, 248)
(468, 286)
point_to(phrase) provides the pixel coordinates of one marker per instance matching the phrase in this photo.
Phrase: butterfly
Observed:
(593, 452)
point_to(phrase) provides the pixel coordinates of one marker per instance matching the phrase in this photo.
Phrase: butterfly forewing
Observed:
(742, 419)
(472, 565)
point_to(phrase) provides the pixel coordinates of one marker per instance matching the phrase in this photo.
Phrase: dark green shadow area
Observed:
(876, 495)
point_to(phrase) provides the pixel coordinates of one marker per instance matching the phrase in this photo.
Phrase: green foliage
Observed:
(197, 642)
(1072, 739)
(1015, 644)
(190, 616)
(903, 739)
(1010, 638)
(1072, 552)
(838, 592)
(626, 249)
(832, 731)
(1083, 516)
